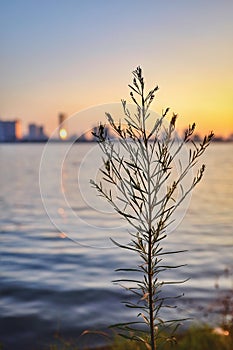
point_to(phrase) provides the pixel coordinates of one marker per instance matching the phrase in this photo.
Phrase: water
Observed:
(49, 284)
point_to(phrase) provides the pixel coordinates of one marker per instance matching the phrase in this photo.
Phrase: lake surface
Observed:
(51, 283)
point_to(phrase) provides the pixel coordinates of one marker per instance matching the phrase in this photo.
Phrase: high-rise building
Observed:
(62, 128)
(32, 131)
(61, 118)
(36, 133)
(10, 131)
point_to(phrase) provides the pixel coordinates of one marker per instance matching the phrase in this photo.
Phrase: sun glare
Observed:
(63, 134)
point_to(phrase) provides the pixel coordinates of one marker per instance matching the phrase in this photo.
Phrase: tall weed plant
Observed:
(139, 182)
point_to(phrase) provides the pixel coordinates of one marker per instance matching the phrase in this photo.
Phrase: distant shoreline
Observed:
(45, 141)
(216, 140)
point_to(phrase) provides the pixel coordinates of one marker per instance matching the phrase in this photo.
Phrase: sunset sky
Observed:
(68, 55)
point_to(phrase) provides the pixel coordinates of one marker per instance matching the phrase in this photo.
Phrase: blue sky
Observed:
(69, 55)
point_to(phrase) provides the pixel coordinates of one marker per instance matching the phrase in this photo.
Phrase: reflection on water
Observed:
(48, 283)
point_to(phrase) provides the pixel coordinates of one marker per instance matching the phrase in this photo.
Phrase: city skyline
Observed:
(70, 55)
(11, 131)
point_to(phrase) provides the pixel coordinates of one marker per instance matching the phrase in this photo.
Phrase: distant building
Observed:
(62, 128)
(10, 131)
(230, 138)
(196, 138)
(36, 133)
(32, 131)
(61, 118)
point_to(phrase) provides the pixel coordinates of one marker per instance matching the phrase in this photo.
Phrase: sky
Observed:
(70, 55)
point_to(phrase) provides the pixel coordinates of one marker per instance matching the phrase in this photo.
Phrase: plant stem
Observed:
(150, 246)
(151, 302)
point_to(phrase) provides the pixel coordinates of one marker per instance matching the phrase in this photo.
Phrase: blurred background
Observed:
(62, 59)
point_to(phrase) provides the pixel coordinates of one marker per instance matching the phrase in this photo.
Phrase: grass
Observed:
(195, 338)
(204, 339)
